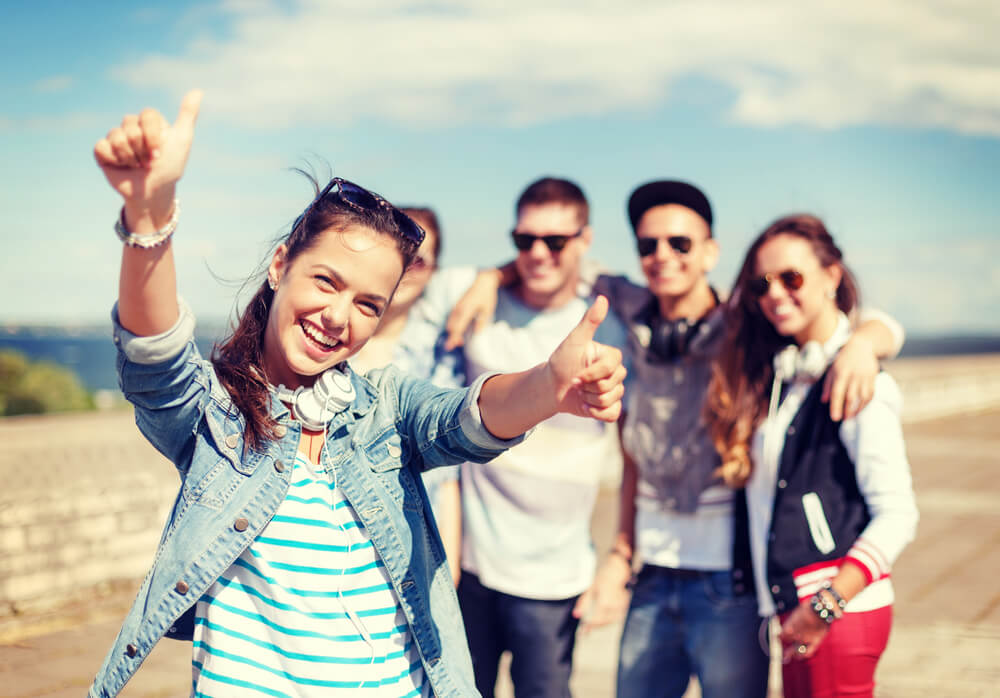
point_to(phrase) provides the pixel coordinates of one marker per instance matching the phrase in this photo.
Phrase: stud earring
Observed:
(831, 294)
(272, 283)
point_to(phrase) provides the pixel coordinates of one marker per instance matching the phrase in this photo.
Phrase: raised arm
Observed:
(582, 377)
(143, 159)
(476, 306)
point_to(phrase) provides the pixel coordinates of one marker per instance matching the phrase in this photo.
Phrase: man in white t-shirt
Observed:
(527, 554)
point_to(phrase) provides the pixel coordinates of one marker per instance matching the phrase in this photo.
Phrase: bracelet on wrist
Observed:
(827, 603)
(820, 608)
(827, 586)
(148, 240)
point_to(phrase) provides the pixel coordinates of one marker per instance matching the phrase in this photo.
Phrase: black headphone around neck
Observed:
(315, 406)
(671, 339)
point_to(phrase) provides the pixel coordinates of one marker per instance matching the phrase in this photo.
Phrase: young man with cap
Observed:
(527, 554)
(692, 608)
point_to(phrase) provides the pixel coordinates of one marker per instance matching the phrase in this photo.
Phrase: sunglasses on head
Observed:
(791, 279)
(362, 200)
(678, 243)
(555, 243)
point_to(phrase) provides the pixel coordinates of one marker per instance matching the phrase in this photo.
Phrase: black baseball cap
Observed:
(668, 191)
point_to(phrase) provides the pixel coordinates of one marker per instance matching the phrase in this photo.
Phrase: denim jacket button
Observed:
(279, 466)
(394, 450)
(131, 650)
(233, 440)
(241, 524)
(181, 587)
(280, 431)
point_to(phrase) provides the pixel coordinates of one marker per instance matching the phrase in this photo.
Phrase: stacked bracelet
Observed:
(821, 604)
(828, 587)
(151, 239)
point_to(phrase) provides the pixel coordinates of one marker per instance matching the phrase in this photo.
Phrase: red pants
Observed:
(844, 664)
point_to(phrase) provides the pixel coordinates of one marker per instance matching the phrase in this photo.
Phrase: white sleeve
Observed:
(864, 315)
(874, 442)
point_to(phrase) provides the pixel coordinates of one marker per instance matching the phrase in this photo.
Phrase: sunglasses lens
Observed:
(680, 243)
(408, 226)
(646, 246)
(523, 241)
(791, 279)
(556, 243)
(359, 196)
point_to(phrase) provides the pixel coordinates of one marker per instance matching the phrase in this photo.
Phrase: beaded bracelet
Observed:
(827, 610)
(828, 586)
(823, 609)
(149, 240)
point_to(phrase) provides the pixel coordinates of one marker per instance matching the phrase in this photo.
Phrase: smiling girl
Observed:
(299, 556)
(830, 503)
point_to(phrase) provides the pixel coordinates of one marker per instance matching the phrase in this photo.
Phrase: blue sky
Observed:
(882, 118)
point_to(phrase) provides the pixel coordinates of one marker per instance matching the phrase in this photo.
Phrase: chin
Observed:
(788, 328)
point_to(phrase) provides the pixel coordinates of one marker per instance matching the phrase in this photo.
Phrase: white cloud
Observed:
(925, 63)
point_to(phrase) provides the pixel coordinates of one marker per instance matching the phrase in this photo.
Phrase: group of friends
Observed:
(389, 469)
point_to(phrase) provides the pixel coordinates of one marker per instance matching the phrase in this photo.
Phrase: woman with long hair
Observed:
(298, 556)
(829, 503)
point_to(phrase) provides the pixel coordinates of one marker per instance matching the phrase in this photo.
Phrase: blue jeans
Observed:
(540, 635)
(684, 622)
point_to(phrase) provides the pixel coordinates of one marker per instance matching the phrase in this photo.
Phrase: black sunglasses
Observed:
(360, 199)
(679, 243)
(791, 279)
(555, 243)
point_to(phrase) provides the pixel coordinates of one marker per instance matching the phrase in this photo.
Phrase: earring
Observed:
(272, 283)
(831, 293)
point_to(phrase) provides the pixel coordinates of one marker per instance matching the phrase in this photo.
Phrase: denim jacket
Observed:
(397, 427)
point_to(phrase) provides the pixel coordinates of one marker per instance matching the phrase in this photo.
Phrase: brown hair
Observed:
(239, 360)
(741, 377)
(551, 190)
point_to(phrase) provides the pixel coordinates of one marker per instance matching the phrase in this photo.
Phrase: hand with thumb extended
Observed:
(588, 376)
(145, 156)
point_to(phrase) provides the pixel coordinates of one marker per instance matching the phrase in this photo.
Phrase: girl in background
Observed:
(830, 503)
(382, 349)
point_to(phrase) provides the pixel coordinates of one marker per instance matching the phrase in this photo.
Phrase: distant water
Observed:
(91, 354)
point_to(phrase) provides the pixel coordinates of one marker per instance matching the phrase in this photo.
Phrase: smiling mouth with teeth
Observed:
(318, 337)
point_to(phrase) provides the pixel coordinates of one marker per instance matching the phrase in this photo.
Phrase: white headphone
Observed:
(314, 407)
(809, 362)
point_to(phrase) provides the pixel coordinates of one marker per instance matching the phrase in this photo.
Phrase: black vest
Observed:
(814, 461)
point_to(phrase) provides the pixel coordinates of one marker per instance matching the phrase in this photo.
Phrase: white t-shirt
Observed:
(526, 514)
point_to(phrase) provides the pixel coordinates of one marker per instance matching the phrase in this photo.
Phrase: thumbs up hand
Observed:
(588, 377)
(145, 156)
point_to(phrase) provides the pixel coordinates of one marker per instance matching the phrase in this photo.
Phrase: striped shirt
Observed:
(307, 609)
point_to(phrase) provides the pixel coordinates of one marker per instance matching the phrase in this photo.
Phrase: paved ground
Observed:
(945, 643)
